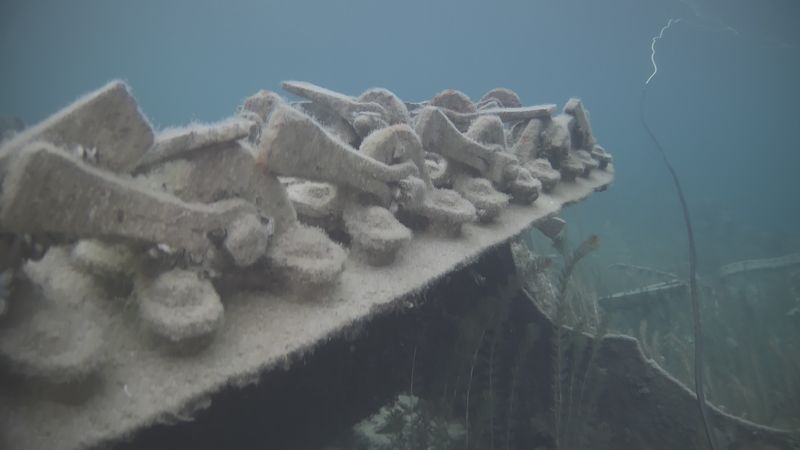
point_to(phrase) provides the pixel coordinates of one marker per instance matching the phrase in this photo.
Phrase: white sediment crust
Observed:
(262, 331)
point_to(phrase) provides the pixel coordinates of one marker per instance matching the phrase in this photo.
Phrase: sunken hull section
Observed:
(146, 274)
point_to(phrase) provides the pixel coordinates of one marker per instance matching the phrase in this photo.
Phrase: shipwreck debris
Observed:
(765, 264)
(636, 297)
(108, 120)
(141, 229)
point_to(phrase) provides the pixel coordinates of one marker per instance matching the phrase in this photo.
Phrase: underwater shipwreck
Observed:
(331, 272)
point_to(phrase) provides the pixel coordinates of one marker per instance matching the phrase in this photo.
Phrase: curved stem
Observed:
(698, 330)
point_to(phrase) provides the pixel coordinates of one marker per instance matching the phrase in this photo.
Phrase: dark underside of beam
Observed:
(319, 399)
